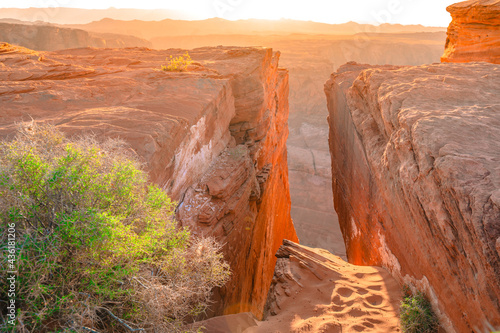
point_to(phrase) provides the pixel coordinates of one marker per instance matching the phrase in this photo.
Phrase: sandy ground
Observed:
(316, 291)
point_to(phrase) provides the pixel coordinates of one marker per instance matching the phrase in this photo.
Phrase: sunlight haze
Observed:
(425, 12)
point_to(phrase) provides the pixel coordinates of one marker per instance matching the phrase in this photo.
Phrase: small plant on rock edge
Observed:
(177, 64)
(416, 313)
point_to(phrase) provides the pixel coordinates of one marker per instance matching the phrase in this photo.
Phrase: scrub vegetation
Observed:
(416, 313)
(97, 246)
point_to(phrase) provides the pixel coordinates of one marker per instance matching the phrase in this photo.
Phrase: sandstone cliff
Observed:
(244, 198)
(474, 33)
(416, 180)
(51, 38)
(310, 59)
(213, 136)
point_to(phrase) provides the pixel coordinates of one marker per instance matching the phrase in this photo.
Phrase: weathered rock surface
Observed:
(244, 198)
(416, 180)
(51, 38)
(310, 59)
(474, 32)
(213, 137)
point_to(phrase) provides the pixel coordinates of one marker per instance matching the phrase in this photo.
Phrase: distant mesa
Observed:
(169, 27)
(62, 15)
(50, 38)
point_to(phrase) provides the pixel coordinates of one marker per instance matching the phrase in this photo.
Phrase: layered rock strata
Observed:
(310, 59)
(474, 32)
(244, 197)
(213, 136)
(416, 180)
(50, 38)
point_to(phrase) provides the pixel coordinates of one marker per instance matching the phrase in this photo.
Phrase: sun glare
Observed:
(425, 12)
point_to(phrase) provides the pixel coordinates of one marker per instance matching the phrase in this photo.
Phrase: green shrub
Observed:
(177, 64)
(416, 314)
(96, 243)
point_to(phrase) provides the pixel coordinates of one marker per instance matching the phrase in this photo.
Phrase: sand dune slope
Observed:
(315, 291)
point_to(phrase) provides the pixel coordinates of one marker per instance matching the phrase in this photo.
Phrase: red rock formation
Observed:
(244, 199)
(474, 32)
(180, 125)
(310, 59)
(416, 180)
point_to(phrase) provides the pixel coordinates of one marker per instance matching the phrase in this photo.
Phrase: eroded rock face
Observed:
(416, 180)
(244, 197)
(51, 38)
(310, 60)
(213, 137)
(474, 32)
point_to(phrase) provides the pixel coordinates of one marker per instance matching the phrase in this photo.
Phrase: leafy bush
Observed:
(416, 314)
(177, 64)
(98, 246)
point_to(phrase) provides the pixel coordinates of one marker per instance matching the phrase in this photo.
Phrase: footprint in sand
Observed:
(362, 291)
(342, 300)
(377, 288)
(337, 300)
(330, 328)
(358, 328)
(374, 321)
(345, 292)
(375, 300)
(356, 313)
(336, 308)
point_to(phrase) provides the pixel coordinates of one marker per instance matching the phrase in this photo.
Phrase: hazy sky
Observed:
(425, 12)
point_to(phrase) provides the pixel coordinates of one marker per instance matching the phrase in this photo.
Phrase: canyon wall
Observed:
(212, 136)
(310, 59)
(51, 38)
(474, 33)
(244, 198)
(416, 180)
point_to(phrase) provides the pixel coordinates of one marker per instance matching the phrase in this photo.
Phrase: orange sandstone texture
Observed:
(219, 127)
(244, 197)
(474, 32)
(309, 59)
(416, 180)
